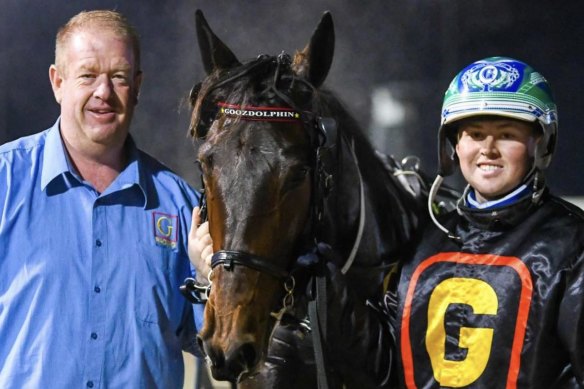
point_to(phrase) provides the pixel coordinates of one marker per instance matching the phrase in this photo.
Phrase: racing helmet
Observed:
(503, 87)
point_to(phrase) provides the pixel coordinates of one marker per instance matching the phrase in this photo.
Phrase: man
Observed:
(93, 232)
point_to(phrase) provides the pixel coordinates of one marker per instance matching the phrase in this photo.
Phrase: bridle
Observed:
(323, 136)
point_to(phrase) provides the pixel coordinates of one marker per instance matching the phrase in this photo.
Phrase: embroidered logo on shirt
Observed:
(165, 229)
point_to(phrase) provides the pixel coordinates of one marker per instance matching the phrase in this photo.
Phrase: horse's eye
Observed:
(194, 94)
(303, 171)
(207, 117)
(296, 177)
(206, 163)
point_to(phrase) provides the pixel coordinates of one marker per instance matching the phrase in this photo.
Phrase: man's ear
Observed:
(56, 81)
(137, 85)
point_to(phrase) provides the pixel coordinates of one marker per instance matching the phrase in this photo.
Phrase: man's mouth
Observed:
(102, 111)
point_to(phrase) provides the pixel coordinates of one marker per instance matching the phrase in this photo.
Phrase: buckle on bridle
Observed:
(228, 264)
(194, 291)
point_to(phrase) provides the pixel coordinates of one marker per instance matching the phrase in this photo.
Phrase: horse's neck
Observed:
(384, 210)
(388, 214)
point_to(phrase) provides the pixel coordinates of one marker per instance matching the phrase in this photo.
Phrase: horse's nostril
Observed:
(248, 354)
(242, 359)
(200, 344)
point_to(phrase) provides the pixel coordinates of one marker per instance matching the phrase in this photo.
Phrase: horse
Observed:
(284, 166)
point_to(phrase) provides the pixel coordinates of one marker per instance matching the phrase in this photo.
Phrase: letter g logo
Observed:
(483, 300)
(164, 226)
(450, 323)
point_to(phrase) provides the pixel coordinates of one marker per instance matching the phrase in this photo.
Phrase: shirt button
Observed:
(97, 289)
(98, 243)
(93, 335)
(90, 384)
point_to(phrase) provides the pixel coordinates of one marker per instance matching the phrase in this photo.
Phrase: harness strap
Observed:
(317, 315)
(361, 228)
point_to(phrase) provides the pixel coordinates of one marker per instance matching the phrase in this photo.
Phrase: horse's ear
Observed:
(317, 56)
(214, 53)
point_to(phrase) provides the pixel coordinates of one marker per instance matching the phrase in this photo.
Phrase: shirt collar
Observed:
(133, 174)
(56, 163)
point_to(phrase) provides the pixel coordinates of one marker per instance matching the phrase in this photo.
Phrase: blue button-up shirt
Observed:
(89, 282)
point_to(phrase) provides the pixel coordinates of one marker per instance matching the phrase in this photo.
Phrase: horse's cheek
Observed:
(209, 321)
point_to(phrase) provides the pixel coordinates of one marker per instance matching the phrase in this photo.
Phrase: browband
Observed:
(271, 114)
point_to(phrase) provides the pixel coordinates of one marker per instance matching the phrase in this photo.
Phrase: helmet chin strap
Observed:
(431, 197)
(536, 180)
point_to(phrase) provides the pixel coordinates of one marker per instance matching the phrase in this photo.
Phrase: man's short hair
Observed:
(104, 19)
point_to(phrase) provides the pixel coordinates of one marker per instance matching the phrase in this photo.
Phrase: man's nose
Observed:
(103, 87)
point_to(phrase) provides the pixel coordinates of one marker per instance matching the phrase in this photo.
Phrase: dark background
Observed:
(391, 53)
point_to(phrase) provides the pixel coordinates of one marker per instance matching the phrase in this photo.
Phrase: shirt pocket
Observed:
(160, 270)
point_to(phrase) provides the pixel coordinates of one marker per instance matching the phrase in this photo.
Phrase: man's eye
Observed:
(120, 78)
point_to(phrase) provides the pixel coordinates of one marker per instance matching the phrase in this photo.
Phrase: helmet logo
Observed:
(492, 76)
(488, 75)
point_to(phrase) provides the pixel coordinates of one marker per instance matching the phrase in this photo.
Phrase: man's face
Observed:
(495, 154)
(97, 87)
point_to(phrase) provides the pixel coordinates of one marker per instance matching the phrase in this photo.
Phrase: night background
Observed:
(393, 62)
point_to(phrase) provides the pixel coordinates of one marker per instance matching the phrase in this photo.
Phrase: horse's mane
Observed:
(328, 104)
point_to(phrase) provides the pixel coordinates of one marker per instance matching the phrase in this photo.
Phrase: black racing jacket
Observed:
(499, 307)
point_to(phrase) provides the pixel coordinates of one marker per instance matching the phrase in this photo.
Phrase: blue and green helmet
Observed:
(498, 86)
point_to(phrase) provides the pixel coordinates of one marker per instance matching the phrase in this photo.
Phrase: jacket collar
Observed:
(505, 216)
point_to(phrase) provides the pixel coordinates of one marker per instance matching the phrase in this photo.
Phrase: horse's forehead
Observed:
(256, 135)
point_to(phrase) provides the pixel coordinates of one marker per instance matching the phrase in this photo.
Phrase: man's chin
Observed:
(108, 134)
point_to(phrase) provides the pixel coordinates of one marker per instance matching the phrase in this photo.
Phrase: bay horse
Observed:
(284, 166)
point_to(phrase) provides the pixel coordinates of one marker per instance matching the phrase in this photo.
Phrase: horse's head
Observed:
(258, 139)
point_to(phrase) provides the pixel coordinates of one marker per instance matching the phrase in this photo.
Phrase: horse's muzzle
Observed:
(237, 362)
